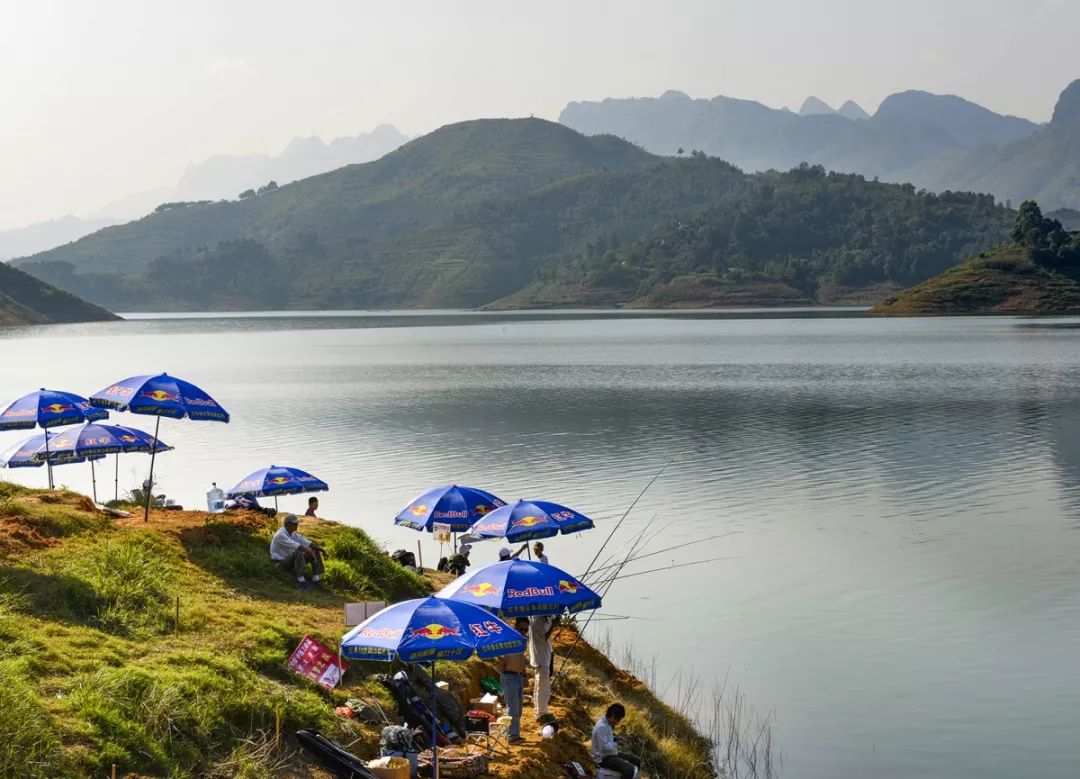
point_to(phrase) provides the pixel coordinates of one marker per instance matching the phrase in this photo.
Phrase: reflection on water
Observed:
(902, 496)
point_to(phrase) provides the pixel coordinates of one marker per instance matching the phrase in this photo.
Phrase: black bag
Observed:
(404, 557)
(333, 756)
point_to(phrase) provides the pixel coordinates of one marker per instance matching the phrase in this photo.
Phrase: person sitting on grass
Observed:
(293, 552)
(605, 745)
(460, 561)
(312, 506)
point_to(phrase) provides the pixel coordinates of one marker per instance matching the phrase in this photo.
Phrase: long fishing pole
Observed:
(670, 568)
(622, 552)
(626, 513)
(667, 549)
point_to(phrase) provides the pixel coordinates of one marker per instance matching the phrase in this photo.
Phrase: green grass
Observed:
(29, 742)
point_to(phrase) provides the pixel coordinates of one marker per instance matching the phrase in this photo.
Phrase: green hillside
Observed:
(527, 212)
(1038, 274)
(25, 300)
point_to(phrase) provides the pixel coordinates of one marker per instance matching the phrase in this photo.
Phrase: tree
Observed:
(247, 193)
(269, 187)
(681, 151)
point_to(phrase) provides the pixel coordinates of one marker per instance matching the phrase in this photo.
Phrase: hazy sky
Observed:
(103, 99)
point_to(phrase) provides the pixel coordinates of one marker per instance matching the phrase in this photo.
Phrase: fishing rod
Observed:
(668, 549)
(672, 567)
(626, 513)
(626, 549)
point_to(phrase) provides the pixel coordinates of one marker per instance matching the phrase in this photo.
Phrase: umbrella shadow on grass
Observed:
(54, 596)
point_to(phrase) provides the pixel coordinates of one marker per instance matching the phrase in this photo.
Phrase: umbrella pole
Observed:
(150, 487)
(93, 480)
(275, 503)
(434, 723)
(48, 460)
(116, 479)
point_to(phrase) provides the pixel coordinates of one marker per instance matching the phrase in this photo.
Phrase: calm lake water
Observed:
(901, 498)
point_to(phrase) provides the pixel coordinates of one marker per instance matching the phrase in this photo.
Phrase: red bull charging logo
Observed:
(56, 408)
(568, 587)
(434, 631)
(161, 396)
(481, 589)
(418, 510)
(528, 522)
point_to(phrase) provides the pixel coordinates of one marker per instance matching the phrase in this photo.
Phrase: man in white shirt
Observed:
(292, 552)
(538, 552)
(605, 746)
(541, 658)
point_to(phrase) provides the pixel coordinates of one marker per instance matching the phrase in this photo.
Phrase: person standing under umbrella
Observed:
(292, 552)
(542, 658)
(512, 679)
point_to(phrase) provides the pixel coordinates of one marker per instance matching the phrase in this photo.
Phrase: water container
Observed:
(215, 499)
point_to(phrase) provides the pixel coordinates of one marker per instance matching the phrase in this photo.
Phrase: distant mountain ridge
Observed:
(941, 142)
(524, 211)
(223, 176)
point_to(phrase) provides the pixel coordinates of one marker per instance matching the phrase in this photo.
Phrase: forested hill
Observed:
(528, 212)
(1037, 274)
(25, 300)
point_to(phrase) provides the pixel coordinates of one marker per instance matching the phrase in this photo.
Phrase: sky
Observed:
(103, 100)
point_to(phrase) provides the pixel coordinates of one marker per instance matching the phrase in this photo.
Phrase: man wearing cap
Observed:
(506, 554)
(292, 552)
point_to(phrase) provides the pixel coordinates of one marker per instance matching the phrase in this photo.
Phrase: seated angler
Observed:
(293, 552)
(605, 744)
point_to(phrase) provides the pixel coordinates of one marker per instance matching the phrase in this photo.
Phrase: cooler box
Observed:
(398, 768)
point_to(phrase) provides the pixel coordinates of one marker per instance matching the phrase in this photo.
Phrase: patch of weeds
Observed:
(29, 744)
(364, 568)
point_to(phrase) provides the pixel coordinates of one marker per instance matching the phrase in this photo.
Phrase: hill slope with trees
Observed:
(25, 300)
(527, 212)
(1037, 274)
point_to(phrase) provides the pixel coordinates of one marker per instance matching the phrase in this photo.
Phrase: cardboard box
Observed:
(479, 705)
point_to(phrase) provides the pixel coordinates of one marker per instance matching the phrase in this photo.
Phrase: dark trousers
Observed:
(297, 562)
(624, 764)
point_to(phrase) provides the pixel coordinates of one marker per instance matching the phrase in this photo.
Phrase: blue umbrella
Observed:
(159, 396)
(96, 440)
(48, 408)
(278, 480)
(429, 629)
(527, 520)
(458, 507)
(28, 454)
(522, 588)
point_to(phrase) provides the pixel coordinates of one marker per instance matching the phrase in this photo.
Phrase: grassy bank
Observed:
(99, 671)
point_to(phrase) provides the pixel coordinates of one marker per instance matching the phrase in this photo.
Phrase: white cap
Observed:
(505, 552)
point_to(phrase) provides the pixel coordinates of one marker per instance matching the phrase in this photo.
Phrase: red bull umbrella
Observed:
(48, 408)
(159, 396)
(522, 588)
(429, 629)
(30, 453)
(527, 520)
(458, 507)
(278, 480)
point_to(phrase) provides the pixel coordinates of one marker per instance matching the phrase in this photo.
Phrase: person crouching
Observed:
(293, 552)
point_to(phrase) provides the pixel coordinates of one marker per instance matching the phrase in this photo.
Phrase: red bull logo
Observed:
(481, 589)
(279, 480)
(481, 510)
(418, 510)
(128, 439)
(568, 587)
(56, 408)
(528, 522)
(434, 631)
(161, 396)
(488, 527)
(19, 412)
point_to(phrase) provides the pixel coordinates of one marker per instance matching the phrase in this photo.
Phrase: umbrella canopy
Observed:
(522, 588)
(526, 520)
(458, 507)
(160, 396)
(30, 453)
(278, 480)
(429, 629)
(48, 408)
(95, 439)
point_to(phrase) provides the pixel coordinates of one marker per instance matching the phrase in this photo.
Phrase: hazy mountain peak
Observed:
(1068, 105)
(815, 106)
(674, 94)
(852, 110)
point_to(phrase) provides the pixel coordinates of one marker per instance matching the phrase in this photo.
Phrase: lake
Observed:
(899, 499)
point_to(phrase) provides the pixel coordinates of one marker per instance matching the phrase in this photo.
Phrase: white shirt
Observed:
(543, 558)
(603, 740)
(539, 644)
(283, 545)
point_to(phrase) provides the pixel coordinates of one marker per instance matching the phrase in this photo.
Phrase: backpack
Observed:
(404, 557)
